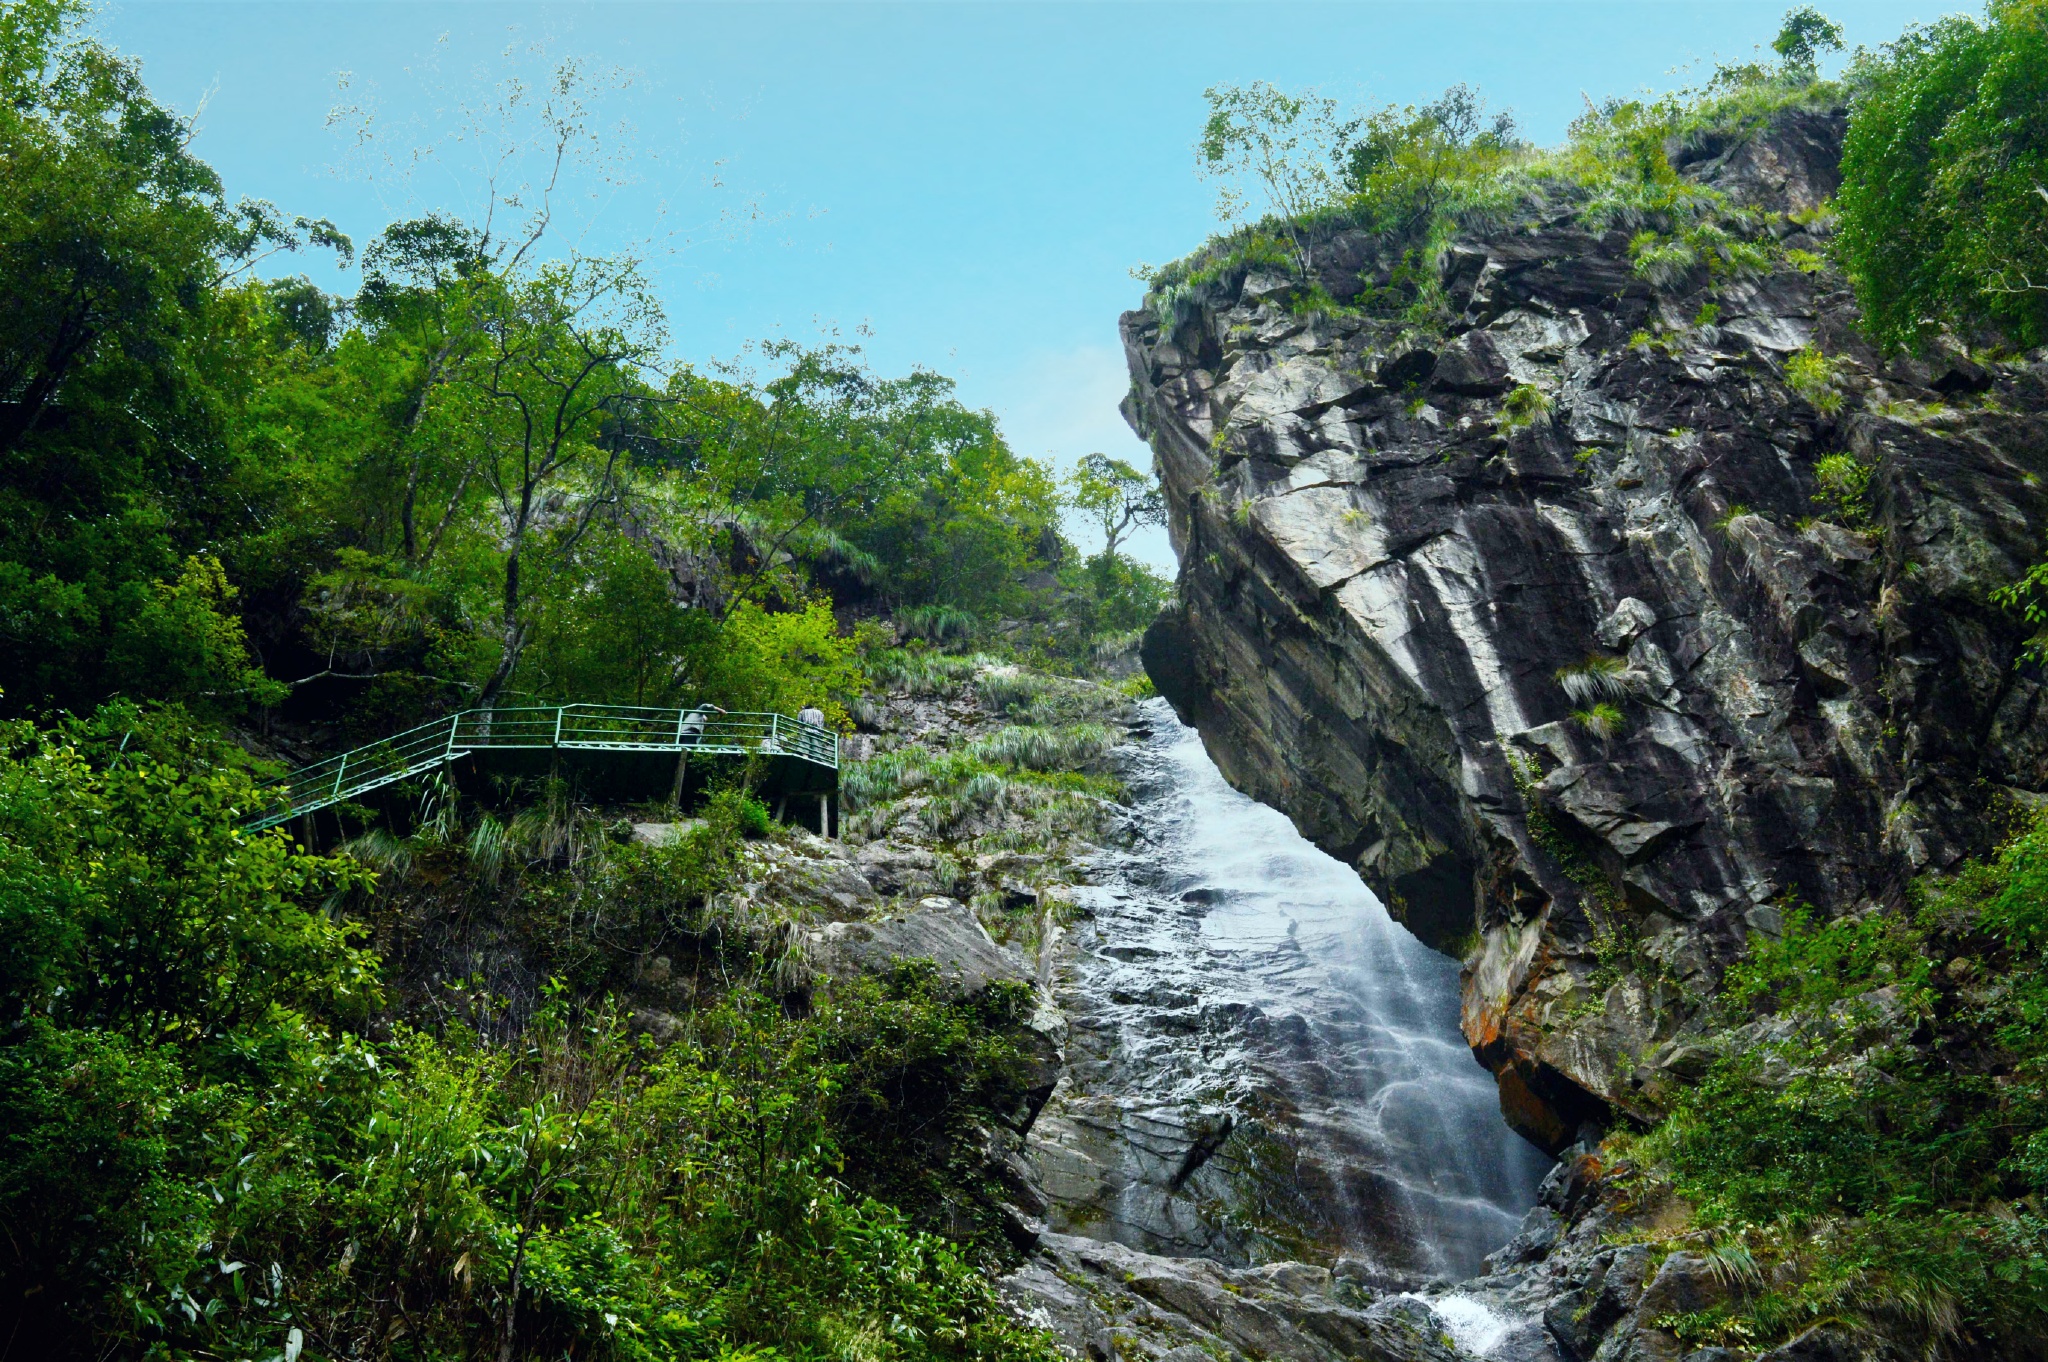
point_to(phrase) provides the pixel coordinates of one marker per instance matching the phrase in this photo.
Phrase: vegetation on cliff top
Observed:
(1414, 177)
(1943, 211)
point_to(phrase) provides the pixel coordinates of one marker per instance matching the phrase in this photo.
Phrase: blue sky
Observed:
(959, 186)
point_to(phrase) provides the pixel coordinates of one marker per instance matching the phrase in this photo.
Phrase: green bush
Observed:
(1873, 1133)
(206, 1151)
(1943, 210)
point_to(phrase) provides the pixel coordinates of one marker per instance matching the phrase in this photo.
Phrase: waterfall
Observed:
(1262, 1064)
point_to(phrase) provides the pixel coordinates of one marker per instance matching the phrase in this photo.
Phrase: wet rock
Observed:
(1528, 1341)
(1600, 1294)
(1821, 1344)
(1685, 1283)
(1368, 1278)
(1107, 1301)
(1537, 1236)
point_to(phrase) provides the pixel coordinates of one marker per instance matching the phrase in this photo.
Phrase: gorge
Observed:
(1561, 875)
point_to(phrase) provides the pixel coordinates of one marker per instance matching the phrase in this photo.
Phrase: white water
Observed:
(1230, 970)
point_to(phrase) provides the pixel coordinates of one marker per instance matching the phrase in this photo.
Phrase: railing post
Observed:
(558, 726)
(339, 771)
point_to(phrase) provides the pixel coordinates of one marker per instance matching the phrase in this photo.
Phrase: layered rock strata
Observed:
(1595, 629)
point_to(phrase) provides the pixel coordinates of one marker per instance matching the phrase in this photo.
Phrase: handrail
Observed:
(577, 727)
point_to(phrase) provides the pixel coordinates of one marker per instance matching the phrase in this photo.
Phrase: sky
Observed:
(963, 187)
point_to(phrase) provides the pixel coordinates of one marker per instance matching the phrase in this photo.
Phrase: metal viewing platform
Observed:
(804, 757)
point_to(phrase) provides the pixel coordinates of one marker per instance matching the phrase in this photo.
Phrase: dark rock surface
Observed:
(1106, 1301)
(942, 930)
(1387, 580)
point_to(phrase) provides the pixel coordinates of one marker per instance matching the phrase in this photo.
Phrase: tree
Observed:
(1944, 198)
(1402, 163)
(1116, 496)
(1807, 33)
(126, 347)
(890, 477)
(1286, 144)
(561, 359)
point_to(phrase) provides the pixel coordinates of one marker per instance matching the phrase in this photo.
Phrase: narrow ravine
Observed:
(1262, 1064)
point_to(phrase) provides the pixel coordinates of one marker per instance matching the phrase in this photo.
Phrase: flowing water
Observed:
(1262, 1063)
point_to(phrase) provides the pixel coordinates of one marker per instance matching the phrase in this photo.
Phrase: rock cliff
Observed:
(1606, 624)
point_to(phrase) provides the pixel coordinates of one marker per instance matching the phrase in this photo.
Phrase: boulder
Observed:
(942, 930)
(1536, 1237)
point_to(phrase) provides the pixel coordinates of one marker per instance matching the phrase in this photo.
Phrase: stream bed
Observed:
(1261, 1063)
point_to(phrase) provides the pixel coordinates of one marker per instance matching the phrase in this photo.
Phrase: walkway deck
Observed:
(492, 734)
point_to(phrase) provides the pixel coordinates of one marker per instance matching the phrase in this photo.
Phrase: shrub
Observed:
(1603, 720)
(1871, 1133)
(1524, 406)
(785, 661)
(936, 623)
(1811, 374)
(1844, 488)
(1943, 217)
(203, 1152)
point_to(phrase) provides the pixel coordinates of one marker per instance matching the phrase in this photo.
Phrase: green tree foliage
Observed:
(205, 1150)
(1117, 497)
(123, 341)
(1807, 33)
(1405, 162)
(1110, 593)
(890, 482)
(480, 478)
(1944, 199)
(1259, 138)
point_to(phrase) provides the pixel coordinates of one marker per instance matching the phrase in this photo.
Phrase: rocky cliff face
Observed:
(1409, 559)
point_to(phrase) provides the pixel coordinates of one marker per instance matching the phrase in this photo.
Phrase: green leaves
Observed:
(199, 1156)
(1941, 221)
(1807, 33)
(1872, 1129)
(1284, 144)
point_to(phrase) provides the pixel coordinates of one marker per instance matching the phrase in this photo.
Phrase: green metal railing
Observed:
(586, 728)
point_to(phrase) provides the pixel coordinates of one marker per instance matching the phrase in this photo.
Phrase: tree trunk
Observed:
(513, 635)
